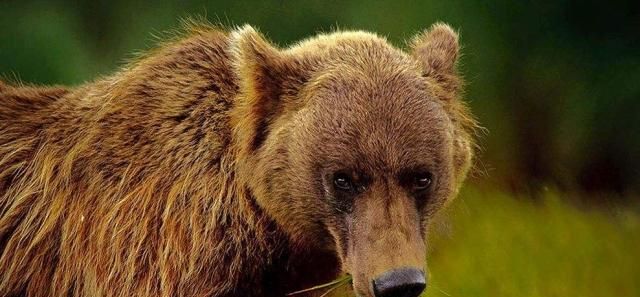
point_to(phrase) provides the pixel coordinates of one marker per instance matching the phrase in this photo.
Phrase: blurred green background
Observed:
(552, 206)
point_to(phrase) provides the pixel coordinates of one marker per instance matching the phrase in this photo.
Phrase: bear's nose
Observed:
(403, 282)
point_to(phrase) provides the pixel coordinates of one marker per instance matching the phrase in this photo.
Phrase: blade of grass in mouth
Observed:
(332, 286)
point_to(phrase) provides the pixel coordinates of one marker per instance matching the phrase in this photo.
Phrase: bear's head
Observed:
(351, 145)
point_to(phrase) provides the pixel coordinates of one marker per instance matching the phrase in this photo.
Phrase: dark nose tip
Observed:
(403, 282)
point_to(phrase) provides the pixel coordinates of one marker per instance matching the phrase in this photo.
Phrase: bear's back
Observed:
(88, 175)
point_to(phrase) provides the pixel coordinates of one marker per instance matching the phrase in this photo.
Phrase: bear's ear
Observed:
(260, 70)
(436, 49)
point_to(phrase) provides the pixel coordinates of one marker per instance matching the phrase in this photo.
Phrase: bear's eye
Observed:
(342, 182)
(421, 181)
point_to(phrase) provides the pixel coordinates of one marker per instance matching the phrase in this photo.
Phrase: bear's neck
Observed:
(287, 269)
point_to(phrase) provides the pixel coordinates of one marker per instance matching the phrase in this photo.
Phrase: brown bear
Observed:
(222, 165)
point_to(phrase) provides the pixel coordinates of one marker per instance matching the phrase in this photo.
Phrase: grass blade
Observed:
(334, 284)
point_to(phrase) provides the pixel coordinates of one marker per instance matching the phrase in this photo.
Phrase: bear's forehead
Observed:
(389, 122)
(371, 107)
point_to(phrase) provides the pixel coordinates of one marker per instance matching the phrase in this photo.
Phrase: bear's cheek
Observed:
(296, 201)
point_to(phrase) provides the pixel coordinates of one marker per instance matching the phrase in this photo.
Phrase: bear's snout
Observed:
(405, 282)
(387, 251)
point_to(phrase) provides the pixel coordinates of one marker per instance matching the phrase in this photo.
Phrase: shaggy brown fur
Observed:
(205, 168)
